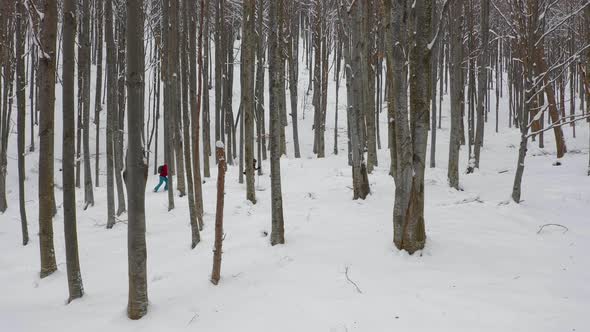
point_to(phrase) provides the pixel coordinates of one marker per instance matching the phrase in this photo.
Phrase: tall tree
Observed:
(119, 115)
(111, 76)
(47, 64)
(75, 287)
(20, 100)
(98, 91)
(186, 36)
(84, 61)
(247, 89)
(456, 41)
(136, 163)
(274, 40)
(482, 76)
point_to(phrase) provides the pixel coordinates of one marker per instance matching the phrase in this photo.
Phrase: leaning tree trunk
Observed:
(75, 287)
(47, 64)
(20, 100)
(136, 163)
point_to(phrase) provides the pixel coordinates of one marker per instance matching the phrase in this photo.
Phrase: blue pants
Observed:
(163, 179)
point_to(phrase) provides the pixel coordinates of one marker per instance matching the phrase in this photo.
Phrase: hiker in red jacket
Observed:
(163, 170)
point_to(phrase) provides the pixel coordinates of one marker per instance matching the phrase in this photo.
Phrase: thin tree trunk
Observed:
(456, 93)
(20, 96)
(111, 69)
(247, 77)
(119, 118)
(98, 94)
(482, 77)
(278, 226)
(221, 168)
(84, 58)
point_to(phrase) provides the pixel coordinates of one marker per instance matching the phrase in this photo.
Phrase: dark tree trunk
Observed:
(75, 287)
(21, 20)
(47, 64)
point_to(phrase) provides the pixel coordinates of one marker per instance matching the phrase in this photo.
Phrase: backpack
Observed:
(160, 169)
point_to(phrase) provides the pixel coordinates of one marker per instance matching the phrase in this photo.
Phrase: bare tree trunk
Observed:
(553, 113)
(221, 168)
(456, 36)
(259, 90)
(293, 58)
(137, 305)
(204, 33)
(111, 69)
(194, 188)
(119, 118)
(278, 227)
(32, 90)
(482, 78)
(76, 290)
(84, 59)
(6, 65)
(169, 101)
(247, 78)
(98, 94)
(356, 119)
(20, 96)
(47, 64)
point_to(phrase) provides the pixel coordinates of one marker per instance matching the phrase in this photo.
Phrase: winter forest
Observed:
(294, 165)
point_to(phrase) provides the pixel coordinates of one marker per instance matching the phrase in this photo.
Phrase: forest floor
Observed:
(487, 266)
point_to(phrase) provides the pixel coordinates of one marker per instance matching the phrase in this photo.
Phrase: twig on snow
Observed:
(192, 319)
(558, 225)
(352, 282)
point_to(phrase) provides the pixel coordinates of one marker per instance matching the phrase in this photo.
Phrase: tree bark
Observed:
(217, 251)
(47, 64)
(20, 96)
(111, 73)
(75, 287)
(482, 78)
(98, 94)
(195, 217)
(456, 36)
(278, 228)
(137, 305)
(247, 78)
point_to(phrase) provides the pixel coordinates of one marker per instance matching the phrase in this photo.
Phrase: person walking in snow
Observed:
(163, 170)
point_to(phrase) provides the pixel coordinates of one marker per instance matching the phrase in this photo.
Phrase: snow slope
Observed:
(485, 266)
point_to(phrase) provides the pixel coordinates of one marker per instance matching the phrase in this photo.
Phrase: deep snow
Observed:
(484, 268)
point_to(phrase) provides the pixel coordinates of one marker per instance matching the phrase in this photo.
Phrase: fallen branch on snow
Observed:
(352, 282)
(558, 225)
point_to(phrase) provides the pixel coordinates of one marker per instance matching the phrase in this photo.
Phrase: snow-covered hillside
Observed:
(486, 265)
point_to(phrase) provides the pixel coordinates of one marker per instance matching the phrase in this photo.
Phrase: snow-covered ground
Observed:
(485, 266)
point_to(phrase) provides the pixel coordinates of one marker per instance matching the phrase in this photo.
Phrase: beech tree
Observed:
(75, 287)
(47, 66)
(136, 162)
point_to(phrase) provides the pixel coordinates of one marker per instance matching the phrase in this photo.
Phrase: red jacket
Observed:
(164, 171)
